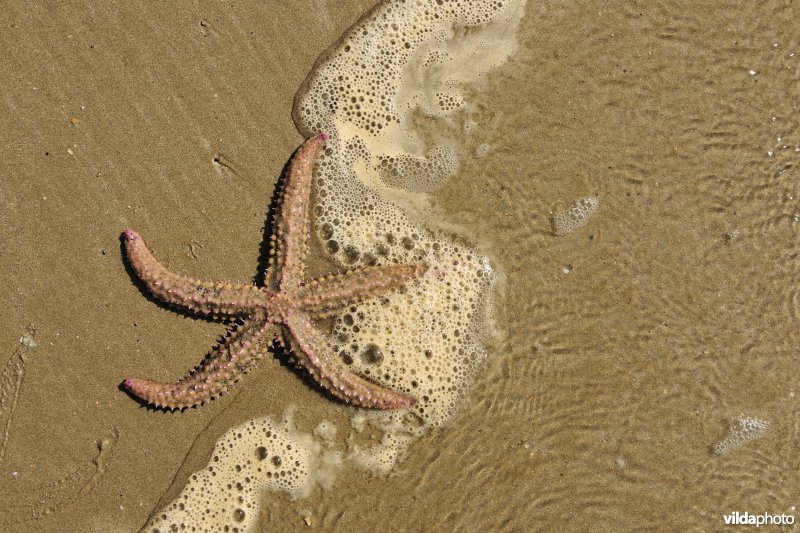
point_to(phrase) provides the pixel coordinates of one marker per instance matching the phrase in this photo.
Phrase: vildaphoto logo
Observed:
(765, 519)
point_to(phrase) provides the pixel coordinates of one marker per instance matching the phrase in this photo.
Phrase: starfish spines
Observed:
(221, 369)
(197, 296)
(326, 295)
(293, 230)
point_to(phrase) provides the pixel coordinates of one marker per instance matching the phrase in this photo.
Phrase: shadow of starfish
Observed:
(283, 309)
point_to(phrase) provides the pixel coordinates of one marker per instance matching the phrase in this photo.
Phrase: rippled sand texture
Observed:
(629, 345)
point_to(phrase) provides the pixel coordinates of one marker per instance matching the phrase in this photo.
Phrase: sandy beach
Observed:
(623, 351)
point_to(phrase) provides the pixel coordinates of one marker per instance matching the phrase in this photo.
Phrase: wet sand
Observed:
(627, 346)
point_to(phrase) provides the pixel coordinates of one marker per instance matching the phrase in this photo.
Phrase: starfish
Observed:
(282, 310)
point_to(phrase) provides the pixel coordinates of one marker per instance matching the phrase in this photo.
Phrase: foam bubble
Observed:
(574, 216)
(743, 430)
(390, 96)
(402, 61)
(402, 58)
(260, 455)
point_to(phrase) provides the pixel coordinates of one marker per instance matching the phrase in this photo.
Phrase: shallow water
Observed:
(626, 347)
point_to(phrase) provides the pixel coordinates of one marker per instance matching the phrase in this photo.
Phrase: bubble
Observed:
(372, 354)
(262, 453)
(369, 259)
(351, 254)
(325, 231)
(332, 247)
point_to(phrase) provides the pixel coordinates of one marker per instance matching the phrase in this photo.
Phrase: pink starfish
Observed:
(283, 310)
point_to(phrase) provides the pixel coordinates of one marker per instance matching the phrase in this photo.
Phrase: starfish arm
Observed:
(326, 295)
(214, 299)
(291, 225)
(223, 367)
(313, 353)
